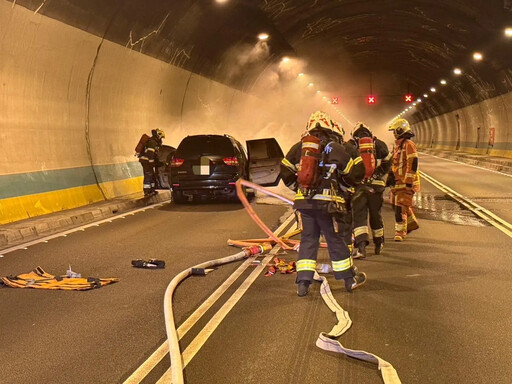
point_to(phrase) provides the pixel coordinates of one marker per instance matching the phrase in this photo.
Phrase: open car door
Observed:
(265, 157)
(163, 172)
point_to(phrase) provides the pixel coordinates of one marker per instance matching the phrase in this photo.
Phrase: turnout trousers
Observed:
(404, 215)
(314, 223)
(148, 183)
(367, 203)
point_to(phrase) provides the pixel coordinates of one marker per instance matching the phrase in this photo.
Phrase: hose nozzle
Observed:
(257, 249)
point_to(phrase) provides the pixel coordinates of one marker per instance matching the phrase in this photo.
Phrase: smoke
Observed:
(240, 59)
(283, 97)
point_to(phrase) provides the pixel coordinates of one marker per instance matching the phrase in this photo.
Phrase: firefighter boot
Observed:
(378, 247)
(359, 251)
(400, 231)
(353, 282)
(303, 288)
(412, 222)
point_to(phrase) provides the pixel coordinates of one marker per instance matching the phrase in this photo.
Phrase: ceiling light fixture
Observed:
(263, 36)
(508, 32)
(285, 59)
(310, 84)
(457, 71)
(477, 56)
(300, 75)
(443, 82)
(433, 90)
(425, 95)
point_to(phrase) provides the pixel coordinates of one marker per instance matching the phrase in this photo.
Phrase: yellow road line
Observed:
(477, 209)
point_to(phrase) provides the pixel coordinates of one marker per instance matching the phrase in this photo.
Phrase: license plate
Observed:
(203, 168)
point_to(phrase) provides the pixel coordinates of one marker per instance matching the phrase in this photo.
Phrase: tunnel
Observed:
(82, 80)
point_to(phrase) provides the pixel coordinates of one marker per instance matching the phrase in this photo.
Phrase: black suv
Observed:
(208, 166)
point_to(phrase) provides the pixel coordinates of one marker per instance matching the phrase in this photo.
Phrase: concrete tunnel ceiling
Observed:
(387, 47)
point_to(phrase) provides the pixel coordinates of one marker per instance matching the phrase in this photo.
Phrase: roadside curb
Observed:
(30, 229)
(493, 163)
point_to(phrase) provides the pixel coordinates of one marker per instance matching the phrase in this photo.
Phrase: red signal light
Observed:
(408, 98)
(371, 99)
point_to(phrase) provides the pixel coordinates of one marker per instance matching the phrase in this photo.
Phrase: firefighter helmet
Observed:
(399, 127)
(319, 119)
(361, 130)
(158, 133)
(337, 128)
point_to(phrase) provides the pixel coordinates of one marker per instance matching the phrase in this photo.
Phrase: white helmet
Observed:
(319, 119)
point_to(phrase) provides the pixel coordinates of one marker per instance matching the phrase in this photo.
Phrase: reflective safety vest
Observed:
(40, 279)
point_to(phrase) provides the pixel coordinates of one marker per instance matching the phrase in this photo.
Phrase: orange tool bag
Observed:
(307, 173)
(141, 144)
(367, 153)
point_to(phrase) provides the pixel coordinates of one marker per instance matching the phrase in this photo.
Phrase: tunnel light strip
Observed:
(477, 209)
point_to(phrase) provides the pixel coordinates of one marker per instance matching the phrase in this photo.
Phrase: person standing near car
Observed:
(312, 168)
(368, 196)
(149, 159)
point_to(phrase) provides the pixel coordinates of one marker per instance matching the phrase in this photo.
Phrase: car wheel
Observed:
(178, 197)
(234, 196)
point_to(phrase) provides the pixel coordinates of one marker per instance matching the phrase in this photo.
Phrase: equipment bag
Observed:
(367, 153)
(308, 170)
(141, 144)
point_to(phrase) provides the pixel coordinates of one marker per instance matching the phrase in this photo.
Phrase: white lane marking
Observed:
(215, 321)
(81, 228)
(155, 358)
(480, 211)
(469, 165)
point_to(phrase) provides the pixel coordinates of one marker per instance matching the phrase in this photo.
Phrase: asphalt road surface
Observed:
(437, 306)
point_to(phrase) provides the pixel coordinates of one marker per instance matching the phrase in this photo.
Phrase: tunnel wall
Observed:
(469, 129)
(73, 107)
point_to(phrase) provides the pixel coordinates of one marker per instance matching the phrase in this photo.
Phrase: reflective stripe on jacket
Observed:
(403, 159)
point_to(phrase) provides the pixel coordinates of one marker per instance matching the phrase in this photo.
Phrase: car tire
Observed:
(178, 198)
(234, 196)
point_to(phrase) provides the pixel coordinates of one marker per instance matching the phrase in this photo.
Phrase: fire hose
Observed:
(325, 341)
(170, 324)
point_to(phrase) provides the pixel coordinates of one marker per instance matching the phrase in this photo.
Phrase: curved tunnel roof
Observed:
(388, 47)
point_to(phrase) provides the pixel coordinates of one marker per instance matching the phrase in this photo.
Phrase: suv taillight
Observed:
(232, 161)
(176, 162)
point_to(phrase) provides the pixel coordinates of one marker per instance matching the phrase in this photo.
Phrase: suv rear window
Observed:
(205, 145)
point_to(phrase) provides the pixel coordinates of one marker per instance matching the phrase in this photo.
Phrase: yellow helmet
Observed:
(319, 119)
(159, 133)
(399, 127)
(337, 128)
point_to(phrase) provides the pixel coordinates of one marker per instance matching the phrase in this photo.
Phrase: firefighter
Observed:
(149, 159)
(312, 168)
(368, 197)
(405, 178)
